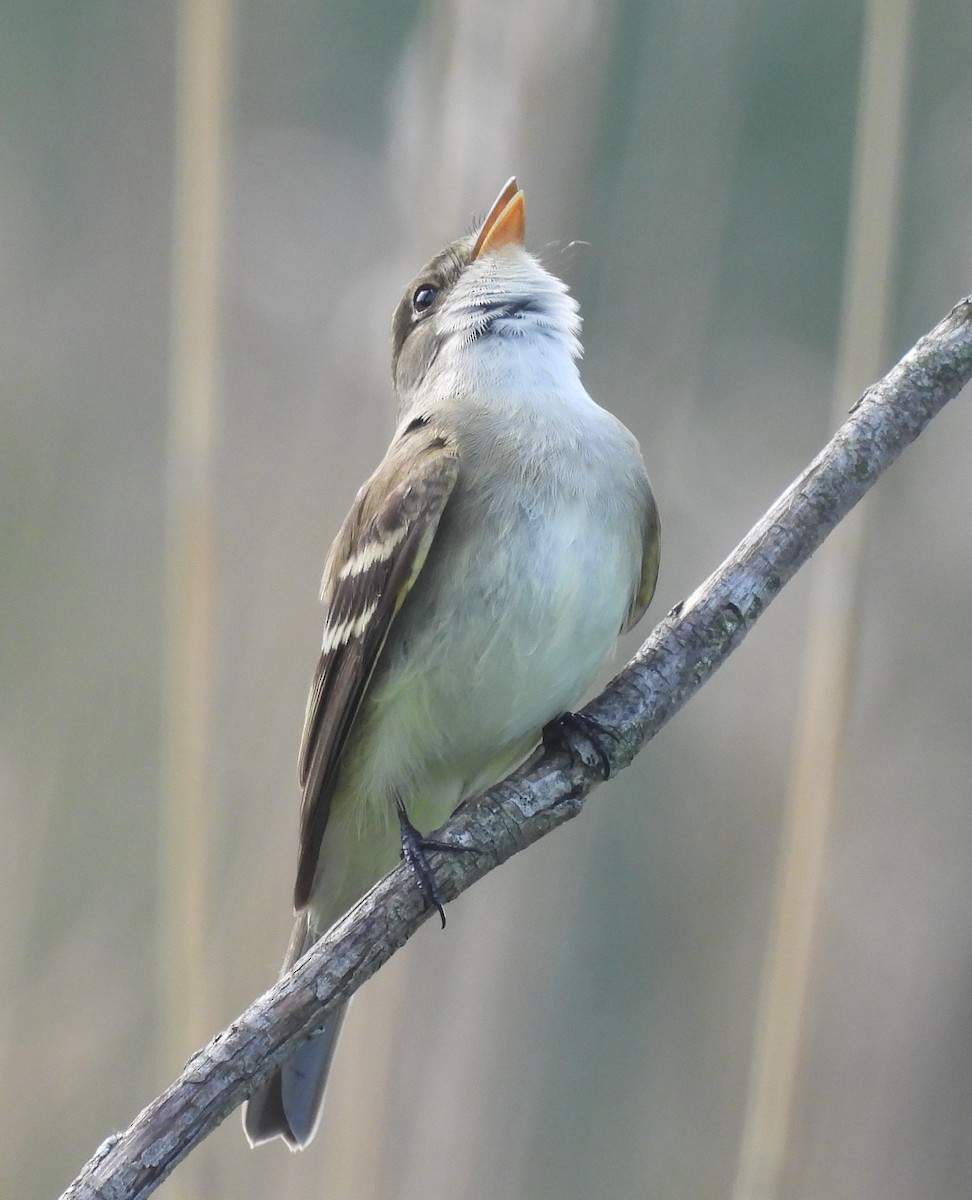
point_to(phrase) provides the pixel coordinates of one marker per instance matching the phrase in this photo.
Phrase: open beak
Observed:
(505, 223)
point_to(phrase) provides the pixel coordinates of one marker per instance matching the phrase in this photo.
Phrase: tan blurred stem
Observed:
(186, 796)
(825, 702)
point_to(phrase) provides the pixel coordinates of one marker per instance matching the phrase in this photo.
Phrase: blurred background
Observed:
(207, 213)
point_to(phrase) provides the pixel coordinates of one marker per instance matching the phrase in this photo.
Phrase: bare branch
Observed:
(679, 656)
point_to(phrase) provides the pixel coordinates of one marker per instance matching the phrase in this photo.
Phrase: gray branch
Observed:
(681, 653)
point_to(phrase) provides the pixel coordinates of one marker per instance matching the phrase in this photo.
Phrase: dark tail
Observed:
(288, 1105)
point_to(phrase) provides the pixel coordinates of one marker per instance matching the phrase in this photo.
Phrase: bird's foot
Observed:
(415, 848)
(581, 736)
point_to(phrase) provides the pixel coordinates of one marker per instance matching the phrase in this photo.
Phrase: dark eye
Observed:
(424, 297)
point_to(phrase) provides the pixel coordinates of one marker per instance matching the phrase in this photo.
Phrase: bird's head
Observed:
(483, 287)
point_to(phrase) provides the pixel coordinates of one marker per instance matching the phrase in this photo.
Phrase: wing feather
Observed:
(651, 544)
(371, 568)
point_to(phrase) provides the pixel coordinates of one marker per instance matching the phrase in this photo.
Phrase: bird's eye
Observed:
(424, 297)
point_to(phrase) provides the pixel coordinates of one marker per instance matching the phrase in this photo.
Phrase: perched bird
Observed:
(476, 587)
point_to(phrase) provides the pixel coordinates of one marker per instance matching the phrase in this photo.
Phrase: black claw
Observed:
(581, 736)
(414, 852)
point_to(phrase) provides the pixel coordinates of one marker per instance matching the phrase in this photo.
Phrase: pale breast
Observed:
(518, 607)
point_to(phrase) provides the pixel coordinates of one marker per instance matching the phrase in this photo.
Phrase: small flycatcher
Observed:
(475, 589)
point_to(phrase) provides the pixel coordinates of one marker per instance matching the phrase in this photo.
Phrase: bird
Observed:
(476, 587)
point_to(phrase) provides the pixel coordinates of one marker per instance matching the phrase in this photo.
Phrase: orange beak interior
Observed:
(505, 223)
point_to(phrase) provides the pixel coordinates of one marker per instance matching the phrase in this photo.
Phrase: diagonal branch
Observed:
(681, 653)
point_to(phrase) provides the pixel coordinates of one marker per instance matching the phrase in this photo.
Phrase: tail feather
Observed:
(289, 1104)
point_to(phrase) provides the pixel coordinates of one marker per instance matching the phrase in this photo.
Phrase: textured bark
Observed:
(679, 656)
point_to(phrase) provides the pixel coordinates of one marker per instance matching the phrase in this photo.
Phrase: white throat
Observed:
(510, 295)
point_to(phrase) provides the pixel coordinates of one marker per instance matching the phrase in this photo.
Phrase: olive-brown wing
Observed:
(372, 566)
